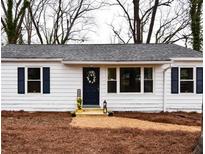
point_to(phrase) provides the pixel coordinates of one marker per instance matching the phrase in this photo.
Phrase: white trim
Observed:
(30, 59)
(118, 80)
(141, 80)
(107, 80)
(165, 87)
(115, 62)
(153, 80)
(140, 92)
(26, 80)
(194, 80)
(101, 62)
(187, 59)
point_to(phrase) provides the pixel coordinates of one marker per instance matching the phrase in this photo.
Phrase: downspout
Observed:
(164, 87)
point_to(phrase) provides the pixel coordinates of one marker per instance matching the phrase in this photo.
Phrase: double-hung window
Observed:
(148, 80)
(34, 80)
(186, 80)
(112, 81)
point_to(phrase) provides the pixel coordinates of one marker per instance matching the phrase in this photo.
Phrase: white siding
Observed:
(150, 102)
(183, 102)
(66, 79)
(64, 82)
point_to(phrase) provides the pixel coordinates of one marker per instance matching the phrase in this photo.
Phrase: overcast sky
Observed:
(105, 16)
(108, 15)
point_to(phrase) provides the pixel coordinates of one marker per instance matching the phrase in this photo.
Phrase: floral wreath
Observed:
(91, 77)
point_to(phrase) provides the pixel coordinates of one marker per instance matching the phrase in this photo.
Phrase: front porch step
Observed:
(92, 109)
(90, 112)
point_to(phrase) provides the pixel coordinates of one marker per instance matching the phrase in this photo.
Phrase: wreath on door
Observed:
(91, 77)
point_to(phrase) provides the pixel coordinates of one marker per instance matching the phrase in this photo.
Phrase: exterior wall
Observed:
(150, 102)
(183, 101)
(66, 79)
(158, 100)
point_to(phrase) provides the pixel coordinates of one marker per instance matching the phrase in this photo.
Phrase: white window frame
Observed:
(112, 80)
(141, 78)
(149, 80)
(141, 91)
(26, 80)
(194, 79)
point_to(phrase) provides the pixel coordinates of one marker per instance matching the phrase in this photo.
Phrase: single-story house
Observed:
(130, 77)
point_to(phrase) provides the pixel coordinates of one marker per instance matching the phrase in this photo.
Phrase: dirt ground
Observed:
(180, 118)
(24, 132)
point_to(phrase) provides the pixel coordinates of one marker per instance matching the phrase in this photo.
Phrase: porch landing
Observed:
(90, 112)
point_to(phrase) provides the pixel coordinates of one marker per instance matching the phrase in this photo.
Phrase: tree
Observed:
(196, 21)
(141, 17)
(13, 18)
(57, 22)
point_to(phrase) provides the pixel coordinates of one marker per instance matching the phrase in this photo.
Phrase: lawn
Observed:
(24, 132)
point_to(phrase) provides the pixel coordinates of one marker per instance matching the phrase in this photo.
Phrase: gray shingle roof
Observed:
(100, 52)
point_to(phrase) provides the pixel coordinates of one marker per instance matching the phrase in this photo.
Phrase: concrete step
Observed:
(92, 109)
(90, 112)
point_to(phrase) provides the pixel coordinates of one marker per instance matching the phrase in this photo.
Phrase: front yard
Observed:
(24, 132)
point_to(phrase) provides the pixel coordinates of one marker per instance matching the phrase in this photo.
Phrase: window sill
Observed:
(33, 93)
(130, 93)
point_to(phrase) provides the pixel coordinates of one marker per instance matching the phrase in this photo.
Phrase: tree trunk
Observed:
(35, 25)
(195, 14)
(137, 23)
(154, 10)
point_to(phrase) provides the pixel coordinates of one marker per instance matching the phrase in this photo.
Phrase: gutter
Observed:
(188, 59)
(30, 59)
(114, 62)
(164, 86)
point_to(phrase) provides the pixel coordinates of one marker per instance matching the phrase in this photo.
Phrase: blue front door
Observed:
(90, 86)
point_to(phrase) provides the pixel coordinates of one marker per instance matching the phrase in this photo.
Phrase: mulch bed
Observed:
(180, 118)
(24, 132)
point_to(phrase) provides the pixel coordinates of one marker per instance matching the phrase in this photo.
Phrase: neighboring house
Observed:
(141, 77)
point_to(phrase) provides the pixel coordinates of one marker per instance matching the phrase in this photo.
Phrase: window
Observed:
(34, 80)
(186, 80)
(112, 82)
(148, 80)
(130, 80)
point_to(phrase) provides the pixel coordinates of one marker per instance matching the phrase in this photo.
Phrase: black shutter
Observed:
(199, 80)
(174, 80)
(46, 80)
(21, 80)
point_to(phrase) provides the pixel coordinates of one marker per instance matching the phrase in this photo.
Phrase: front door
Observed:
(90, 86)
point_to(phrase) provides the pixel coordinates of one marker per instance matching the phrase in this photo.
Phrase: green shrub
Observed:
(79, 103)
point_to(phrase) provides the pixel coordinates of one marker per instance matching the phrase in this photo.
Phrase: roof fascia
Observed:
(115, 62)
(187, 59)
(30, 59)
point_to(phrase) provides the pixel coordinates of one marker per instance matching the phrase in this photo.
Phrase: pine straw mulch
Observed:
(121, 122)
(24, 132)
(180, 118)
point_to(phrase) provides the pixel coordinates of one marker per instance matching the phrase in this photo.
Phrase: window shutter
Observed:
(199, 80)
(46, 80)
(21, 80)
(174, 80)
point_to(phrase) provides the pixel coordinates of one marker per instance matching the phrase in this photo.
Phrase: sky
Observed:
(103, 17)
(111, 14)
